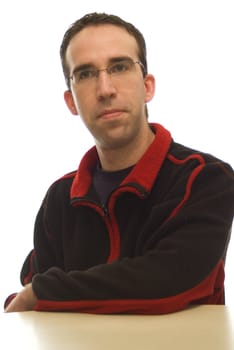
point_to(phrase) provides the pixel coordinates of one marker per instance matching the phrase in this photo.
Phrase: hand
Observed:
(24, 300)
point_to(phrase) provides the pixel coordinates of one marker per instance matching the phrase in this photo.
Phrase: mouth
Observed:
(110, 114)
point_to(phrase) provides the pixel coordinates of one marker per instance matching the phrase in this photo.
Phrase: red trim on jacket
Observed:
(191, 179)
(151, 162)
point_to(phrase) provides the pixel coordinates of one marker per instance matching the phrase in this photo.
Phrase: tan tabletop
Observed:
(200, 327)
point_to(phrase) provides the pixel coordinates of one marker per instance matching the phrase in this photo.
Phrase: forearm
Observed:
(118, 288)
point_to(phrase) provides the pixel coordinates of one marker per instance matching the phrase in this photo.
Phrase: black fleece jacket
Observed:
(158, 245)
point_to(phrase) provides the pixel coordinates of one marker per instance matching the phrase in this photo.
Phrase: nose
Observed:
(105, 87)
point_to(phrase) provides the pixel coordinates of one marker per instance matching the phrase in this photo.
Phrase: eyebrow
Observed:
(90, 65)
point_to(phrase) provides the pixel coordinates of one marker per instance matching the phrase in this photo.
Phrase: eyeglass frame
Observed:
(107, 69)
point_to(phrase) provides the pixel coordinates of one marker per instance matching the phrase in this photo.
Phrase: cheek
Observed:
(79, 101)
(140, 93)
(85, 104)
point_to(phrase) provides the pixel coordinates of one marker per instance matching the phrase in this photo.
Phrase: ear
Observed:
(150, 86)
(70, 102)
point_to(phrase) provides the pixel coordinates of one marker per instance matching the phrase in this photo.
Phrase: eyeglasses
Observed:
(119, 69)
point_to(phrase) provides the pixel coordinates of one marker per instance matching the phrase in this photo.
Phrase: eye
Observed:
(120, 67)
(85, 74)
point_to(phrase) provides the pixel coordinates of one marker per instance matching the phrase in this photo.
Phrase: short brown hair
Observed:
(96, 19)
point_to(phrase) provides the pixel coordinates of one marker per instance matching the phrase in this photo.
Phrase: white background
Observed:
(190, 52)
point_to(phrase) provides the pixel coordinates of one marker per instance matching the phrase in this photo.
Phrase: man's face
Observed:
(111, 106)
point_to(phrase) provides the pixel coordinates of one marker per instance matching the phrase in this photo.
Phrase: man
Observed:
(143, 226)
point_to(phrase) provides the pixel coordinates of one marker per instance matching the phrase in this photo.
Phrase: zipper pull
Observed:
(105, 210)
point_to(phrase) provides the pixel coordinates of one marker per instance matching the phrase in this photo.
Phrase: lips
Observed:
(110, 113)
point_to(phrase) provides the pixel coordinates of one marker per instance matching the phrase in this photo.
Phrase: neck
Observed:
(127, 155)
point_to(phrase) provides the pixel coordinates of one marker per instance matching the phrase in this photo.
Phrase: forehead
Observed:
(98, 44)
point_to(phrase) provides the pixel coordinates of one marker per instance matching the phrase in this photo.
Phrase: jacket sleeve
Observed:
(31, 266)
(184, 266)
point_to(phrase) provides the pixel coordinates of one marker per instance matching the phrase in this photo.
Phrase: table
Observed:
(199, 327)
